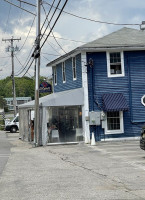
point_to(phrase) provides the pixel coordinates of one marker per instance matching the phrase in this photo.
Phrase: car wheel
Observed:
(13, 129)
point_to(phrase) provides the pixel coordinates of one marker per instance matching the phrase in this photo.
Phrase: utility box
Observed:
(95, 118)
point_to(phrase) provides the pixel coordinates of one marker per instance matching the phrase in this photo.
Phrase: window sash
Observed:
(55, 76)
(74, 68)
(115, 64)
(114, 123)
(63, 73)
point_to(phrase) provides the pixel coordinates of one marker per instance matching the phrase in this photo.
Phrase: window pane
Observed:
(113, 121)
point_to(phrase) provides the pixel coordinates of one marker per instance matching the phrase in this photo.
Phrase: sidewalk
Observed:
(68, 172)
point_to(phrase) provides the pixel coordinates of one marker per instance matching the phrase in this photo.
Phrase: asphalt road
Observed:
(107, 171)
(4, 150)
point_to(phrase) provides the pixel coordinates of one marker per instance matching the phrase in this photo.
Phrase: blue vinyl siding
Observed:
(70, 83)
(131, 85)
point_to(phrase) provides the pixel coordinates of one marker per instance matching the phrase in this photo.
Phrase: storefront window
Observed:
(67, 123)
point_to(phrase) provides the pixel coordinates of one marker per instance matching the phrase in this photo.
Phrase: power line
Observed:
(26, 3)
(51, 18)
(20, 7)
(54, 24)
(49, 43)
(93, 20)
(7, 19)
(46, 58)
(28, 67)
(28, 33)
(5, 57)
(20, 62)
(68, 39)
(50, 54)
(52, 32)
(27, 61)
(47, 14)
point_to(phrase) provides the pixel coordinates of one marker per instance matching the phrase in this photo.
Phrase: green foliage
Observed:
(2, 102)
(25, 87)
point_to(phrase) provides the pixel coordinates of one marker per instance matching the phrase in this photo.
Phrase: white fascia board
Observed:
(63, 59)
(104, 49)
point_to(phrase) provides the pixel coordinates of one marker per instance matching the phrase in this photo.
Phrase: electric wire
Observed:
(26, 63)
(50, 19)
(93, 20)
(54, 23)
(52, 46)
(20, 63)
(26, 3)
(52, 32)
(7, 19)
(19, 7)
(28, 67)
(47, 14)
(46, 58)
(68, 39)
(28, 33)
(50, 54)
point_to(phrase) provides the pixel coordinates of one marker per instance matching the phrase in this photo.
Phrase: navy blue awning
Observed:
(114, 102)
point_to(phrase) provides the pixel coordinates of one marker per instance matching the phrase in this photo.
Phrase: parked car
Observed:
(13, 125)
(142, 138)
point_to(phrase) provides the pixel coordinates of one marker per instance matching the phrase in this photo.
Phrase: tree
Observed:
(25, 87)
(2, 102)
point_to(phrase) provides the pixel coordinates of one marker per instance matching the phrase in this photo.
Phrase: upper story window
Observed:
(63, 72)
(55, 76)
(74, 68)
(115, 64)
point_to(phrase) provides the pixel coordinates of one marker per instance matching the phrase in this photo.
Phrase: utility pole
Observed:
(37, 77)
(12, 49)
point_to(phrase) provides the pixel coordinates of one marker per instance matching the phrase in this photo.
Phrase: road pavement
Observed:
(4, 150)
(107, 171)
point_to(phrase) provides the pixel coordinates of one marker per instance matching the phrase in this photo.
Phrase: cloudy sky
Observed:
(18, 23)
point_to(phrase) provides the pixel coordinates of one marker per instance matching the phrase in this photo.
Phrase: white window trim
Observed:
(63, 64)
(142, 100)
(55, 73)
(121, 130)
(122, 65)
(74, 79)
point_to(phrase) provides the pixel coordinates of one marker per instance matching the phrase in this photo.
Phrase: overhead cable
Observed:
(19, 7)
(26, 3)
(51, 18)
(26, 63)
(67, 39)
(93, 20)
(47, 14)
(54, 24)
(52, 32)
(20, 63)
(28, 33)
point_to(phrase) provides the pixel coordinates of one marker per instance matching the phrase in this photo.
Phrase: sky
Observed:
(18, 23)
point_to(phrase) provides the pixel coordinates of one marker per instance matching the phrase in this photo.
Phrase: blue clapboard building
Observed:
(111, 73)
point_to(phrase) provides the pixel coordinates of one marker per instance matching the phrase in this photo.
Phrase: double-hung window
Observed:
(114, 122)
(115, 64)
(63, 72)
(55, 75)
(74, 68)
